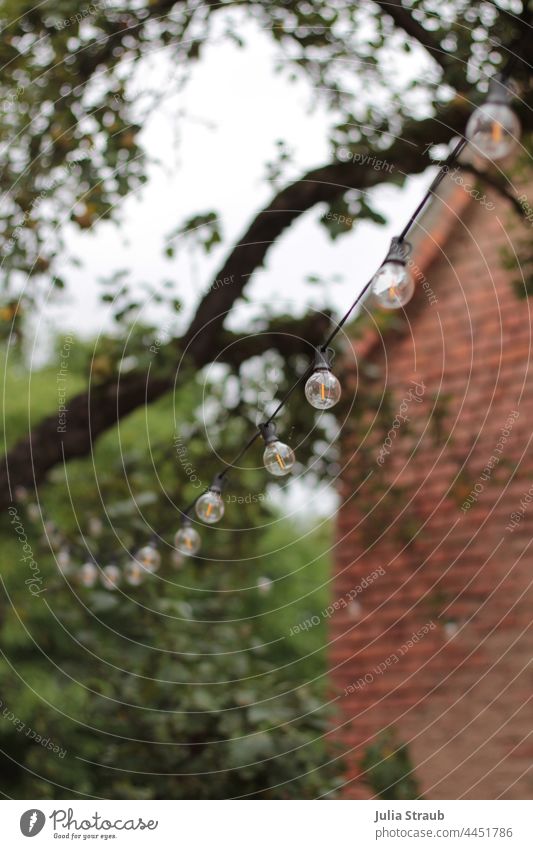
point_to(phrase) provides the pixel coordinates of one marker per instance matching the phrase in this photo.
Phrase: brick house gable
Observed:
(461, 694)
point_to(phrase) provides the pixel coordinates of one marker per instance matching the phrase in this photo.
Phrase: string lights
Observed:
(148, 558)
(322, 389)
(393, 285)
(493, 130)
(134, 573)
(210, 506)
(278, 458)
(187, 540)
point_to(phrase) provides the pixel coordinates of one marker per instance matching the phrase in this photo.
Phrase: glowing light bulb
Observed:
(110, 577)
(493, 128)
(278, 457)
(322, 389)
(210, 506)
(134, 573)
(148, 558)
(187, 540)
(88, 575)
(392, 285)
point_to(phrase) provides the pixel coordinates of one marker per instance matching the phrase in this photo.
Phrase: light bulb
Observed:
(393, 286)
(88, 575)
(187, 540)
(149, 558)
(210, 506)
(110, 577)
(493, 130)
(135, 573)
(322, 389)
(278, 458)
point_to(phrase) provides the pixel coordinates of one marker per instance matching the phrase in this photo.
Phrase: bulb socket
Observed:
(399, 251)
(323, 359)
(268, 432)
(218, 484)
(499, 90)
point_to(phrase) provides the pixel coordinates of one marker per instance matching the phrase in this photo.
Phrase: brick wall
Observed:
(460, 695)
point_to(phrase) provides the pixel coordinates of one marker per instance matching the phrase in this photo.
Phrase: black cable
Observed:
(439, 177)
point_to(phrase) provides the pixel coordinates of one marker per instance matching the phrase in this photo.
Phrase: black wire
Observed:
(439, 177)
(241, 453)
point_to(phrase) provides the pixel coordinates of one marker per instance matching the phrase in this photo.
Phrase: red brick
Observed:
(447, 695)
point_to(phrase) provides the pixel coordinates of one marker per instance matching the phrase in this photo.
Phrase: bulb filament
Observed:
(323, 391)
(209, 509)
(281, 464)
(496, 132)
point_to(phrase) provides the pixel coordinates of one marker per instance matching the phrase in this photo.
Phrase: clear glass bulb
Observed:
(210, 507)
(187, 541)
(88, 575)
(149, 558)
(278, 459)
(393, 286)
(494, 130)
(322, 389)
(110, 577)
(135, 573)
